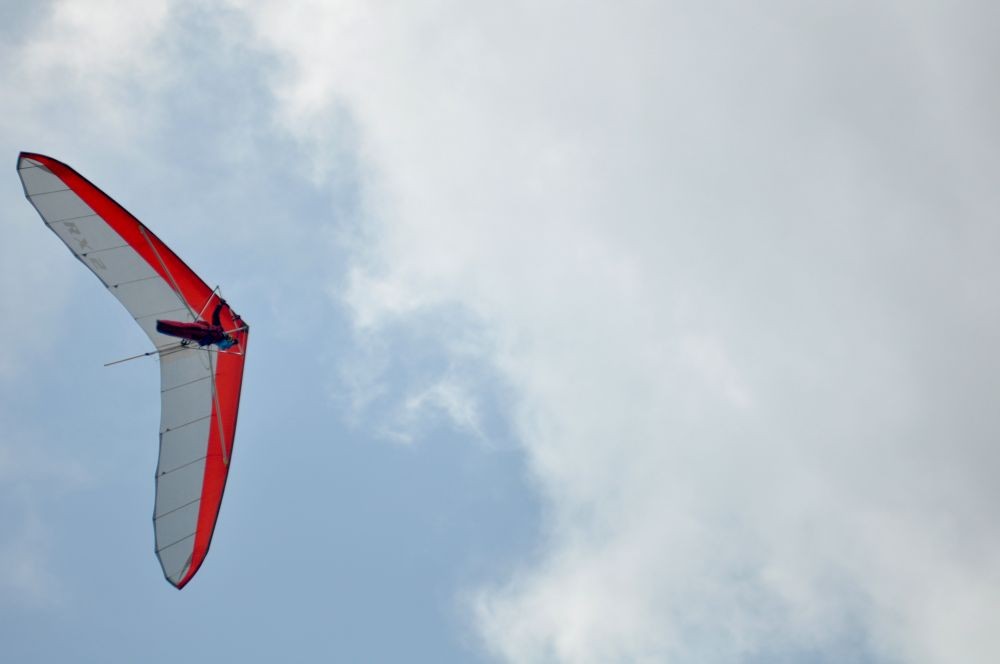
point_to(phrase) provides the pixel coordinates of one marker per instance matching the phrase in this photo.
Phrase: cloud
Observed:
(27, 579)
(734, 264)
(27, 480)
(107, 61)
(449, 397)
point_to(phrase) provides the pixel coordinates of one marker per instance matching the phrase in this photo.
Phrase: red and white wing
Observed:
(199, 389)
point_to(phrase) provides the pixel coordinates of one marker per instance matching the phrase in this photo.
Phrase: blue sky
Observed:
(653, 332)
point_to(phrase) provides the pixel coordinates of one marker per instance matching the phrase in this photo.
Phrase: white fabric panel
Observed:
(176, 487)
(177, 557)
(186, 406)
(175, 526)
(36, 178)
(119, 265)
(185, 366)
(174, 546)
(150, 297)
(86, 234)
(176, 490)
(149, 300)
(60, 206)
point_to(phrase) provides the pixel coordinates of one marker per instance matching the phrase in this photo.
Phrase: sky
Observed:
(581, 332)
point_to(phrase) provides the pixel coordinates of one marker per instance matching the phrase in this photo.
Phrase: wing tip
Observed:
(34, 159)
(22, 156)
(186, 573)
(184, 578)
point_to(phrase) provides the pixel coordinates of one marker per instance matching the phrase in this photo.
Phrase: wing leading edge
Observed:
(199, 387)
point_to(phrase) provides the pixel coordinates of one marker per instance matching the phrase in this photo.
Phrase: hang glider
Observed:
(201, 362)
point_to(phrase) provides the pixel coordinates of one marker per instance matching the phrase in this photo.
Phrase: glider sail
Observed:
(199, 386)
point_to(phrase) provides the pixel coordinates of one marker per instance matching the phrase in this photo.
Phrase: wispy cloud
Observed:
(28, 478)
(733, 264)
(110, 63)
(27, 579)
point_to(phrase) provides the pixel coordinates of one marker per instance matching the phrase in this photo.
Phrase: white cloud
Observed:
(27, 478)
(450, 398)
(27, 579)
(735, 265)
(83, 72)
